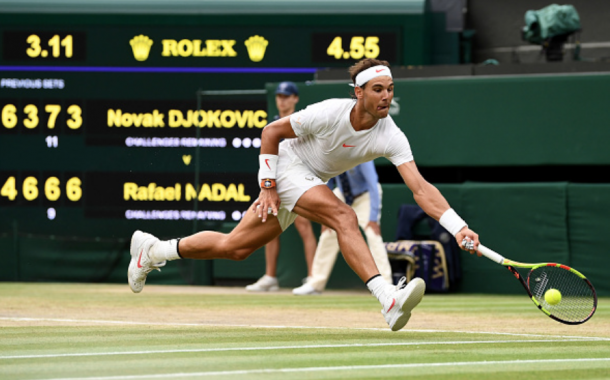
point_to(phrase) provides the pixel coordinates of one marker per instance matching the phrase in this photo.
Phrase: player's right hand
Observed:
(267, 203)
(468, 240)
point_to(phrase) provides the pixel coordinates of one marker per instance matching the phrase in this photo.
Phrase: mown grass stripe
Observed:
(65, 320)
(337, 368)
(313, 346)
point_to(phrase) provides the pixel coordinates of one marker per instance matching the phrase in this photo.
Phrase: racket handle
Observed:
(490, 254)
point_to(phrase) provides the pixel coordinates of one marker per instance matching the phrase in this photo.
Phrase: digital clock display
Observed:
(46, 46)
(346, 47)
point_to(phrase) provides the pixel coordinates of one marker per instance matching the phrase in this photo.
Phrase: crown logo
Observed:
(140, 45)
(256, 46)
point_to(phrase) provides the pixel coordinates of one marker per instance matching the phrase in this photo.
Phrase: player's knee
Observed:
(240, 254)
(232, 251)
(346, 220)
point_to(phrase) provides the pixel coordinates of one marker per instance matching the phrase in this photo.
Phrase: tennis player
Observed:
(321, 141)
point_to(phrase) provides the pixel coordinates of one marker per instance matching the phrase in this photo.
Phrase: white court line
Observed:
(65, 320)
(334, 368)
(261, 348)
(513, 334)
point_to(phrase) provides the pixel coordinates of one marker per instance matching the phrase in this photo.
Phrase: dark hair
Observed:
(364, 64)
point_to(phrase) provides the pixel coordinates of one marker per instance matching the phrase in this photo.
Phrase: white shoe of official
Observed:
(141, 264)
(399, 305)
(305, 290)
(264, 284)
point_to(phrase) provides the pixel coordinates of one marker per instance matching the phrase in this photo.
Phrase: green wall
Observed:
(489, 121)
(532, 222)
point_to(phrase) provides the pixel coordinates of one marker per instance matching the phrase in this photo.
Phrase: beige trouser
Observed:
(328, 245)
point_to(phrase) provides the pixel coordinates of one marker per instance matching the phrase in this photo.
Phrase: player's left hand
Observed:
(468, 240)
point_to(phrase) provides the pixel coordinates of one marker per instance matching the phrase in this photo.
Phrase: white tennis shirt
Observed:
(328, 144)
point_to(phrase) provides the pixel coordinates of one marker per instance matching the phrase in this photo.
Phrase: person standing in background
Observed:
(286, 99)
(359, 188)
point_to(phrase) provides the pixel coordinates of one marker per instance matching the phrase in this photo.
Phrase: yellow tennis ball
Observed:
(552, 296)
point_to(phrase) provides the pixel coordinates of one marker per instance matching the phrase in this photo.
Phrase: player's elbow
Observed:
(270, 134)
(432, 202)
(277, 130)
(420, 195)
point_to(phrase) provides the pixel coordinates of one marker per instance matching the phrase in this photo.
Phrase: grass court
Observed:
(94, 331)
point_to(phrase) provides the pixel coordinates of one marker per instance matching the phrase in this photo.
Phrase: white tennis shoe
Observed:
(305, 290)
(399, 305)
(264, 284)
(141, 264)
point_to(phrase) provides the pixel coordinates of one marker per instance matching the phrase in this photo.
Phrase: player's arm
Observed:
(434, 204)
(273, 133)
(270, 140)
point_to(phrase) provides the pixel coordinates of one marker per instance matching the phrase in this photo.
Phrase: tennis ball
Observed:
(552, 296)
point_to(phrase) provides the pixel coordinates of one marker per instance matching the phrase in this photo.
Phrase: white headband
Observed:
(370, 73)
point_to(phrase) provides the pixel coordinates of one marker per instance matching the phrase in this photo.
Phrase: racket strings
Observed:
(577, 298)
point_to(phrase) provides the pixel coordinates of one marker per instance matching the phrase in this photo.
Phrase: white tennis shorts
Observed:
(293, 180)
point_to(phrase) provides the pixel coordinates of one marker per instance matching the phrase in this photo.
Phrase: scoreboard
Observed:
(201, 46)
(100, 119)
(102, 154)
(128, 158)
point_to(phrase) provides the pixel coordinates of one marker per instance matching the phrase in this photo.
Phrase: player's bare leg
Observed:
(249, 235)
(149, 253)
(319, 204)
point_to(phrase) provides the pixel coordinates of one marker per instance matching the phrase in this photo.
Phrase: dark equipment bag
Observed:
(433, 257)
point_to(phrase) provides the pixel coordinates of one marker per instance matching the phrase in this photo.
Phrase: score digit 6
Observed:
(9, 117)
(73, 189)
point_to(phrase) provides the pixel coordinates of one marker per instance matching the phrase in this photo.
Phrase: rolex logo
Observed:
(256, 46)
(140, 45)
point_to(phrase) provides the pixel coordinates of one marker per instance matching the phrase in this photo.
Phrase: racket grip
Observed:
(490, 254)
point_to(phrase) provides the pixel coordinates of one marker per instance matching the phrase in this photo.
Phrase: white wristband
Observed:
(268, 166)
(452, 222)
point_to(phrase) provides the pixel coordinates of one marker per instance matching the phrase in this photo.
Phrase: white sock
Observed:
(380, 288)
(164, 250)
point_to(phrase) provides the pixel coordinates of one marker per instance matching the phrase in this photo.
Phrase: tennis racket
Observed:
(577, 301)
